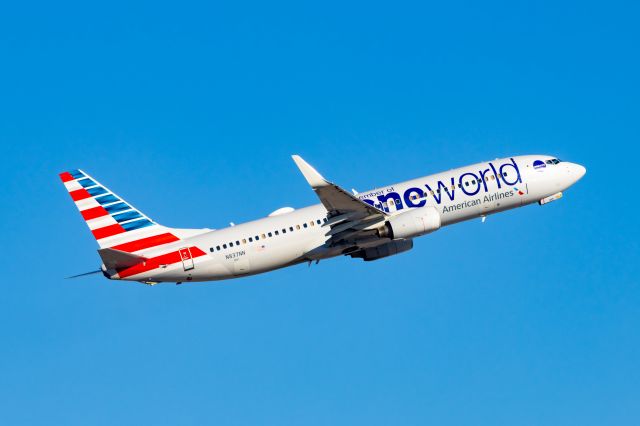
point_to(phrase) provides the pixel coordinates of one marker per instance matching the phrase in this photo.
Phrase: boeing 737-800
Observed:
(368, 225)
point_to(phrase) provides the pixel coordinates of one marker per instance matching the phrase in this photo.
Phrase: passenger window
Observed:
(230, 244)
(318, 221)
(211, 249)
(224, 246)
(257, 238)
(250, 239)
(244, 241)
(263, 236)
(325, 220)
(297, 226)
(277, 232)
(311, 223)
(291, 228)
(284, 230)
(304, 224)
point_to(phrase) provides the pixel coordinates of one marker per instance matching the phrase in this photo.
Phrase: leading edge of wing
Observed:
(333, 197)
(312, 176)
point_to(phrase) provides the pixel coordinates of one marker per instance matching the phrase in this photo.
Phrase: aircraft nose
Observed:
(578, 171)
(575, 172)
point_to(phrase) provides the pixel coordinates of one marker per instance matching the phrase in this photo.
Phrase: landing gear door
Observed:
(187, 260)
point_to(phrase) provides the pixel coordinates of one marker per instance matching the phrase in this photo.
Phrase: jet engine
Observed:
(412, 223)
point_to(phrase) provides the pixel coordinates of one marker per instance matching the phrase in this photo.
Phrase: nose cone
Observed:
(578, 171)
(574, 172)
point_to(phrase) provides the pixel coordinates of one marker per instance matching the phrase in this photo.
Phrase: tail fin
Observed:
(114, 222)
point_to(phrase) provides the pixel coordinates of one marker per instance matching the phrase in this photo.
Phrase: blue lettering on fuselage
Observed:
(383, 200)
(418, 193)
(441, 188)
(469, 183)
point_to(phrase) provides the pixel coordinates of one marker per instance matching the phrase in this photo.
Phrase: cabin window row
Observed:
(266, 235)
(487, 178)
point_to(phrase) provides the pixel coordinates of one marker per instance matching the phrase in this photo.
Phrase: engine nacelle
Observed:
(384, 250)
(411, 224)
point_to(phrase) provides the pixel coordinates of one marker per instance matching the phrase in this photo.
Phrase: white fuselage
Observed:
(298, 236)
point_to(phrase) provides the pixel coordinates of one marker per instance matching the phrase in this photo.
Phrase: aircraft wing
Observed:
(349, 218)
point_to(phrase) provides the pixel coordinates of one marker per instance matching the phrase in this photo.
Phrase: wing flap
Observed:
(356, 224)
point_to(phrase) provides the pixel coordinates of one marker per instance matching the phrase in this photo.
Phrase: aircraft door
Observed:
(187, 260)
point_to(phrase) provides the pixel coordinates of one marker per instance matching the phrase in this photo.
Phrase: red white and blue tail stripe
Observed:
(113, 222)
(118, 225)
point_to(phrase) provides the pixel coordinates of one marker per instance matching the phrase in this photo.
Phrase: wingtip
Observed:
(312, 176)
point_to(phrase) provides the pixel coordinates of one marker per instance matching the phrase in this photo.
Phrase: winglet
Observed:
(312, 176)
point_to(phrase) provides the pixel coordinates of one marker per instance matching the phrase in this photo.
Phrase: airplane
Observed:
(368, 225)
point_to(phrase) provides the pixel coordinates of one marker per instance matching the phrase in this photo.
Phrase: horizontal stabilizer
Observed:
(84, 275)
(116, 259)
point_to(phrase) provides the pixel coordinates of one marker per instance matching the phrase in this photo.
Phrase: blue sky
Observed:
(191, 111)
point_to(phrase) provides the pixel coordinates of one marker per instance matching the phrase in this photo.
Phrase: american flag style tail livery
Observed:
(131, 244)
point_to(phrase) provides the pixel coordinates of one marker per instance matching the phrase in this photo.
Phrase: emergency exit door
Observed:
(187, 260)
